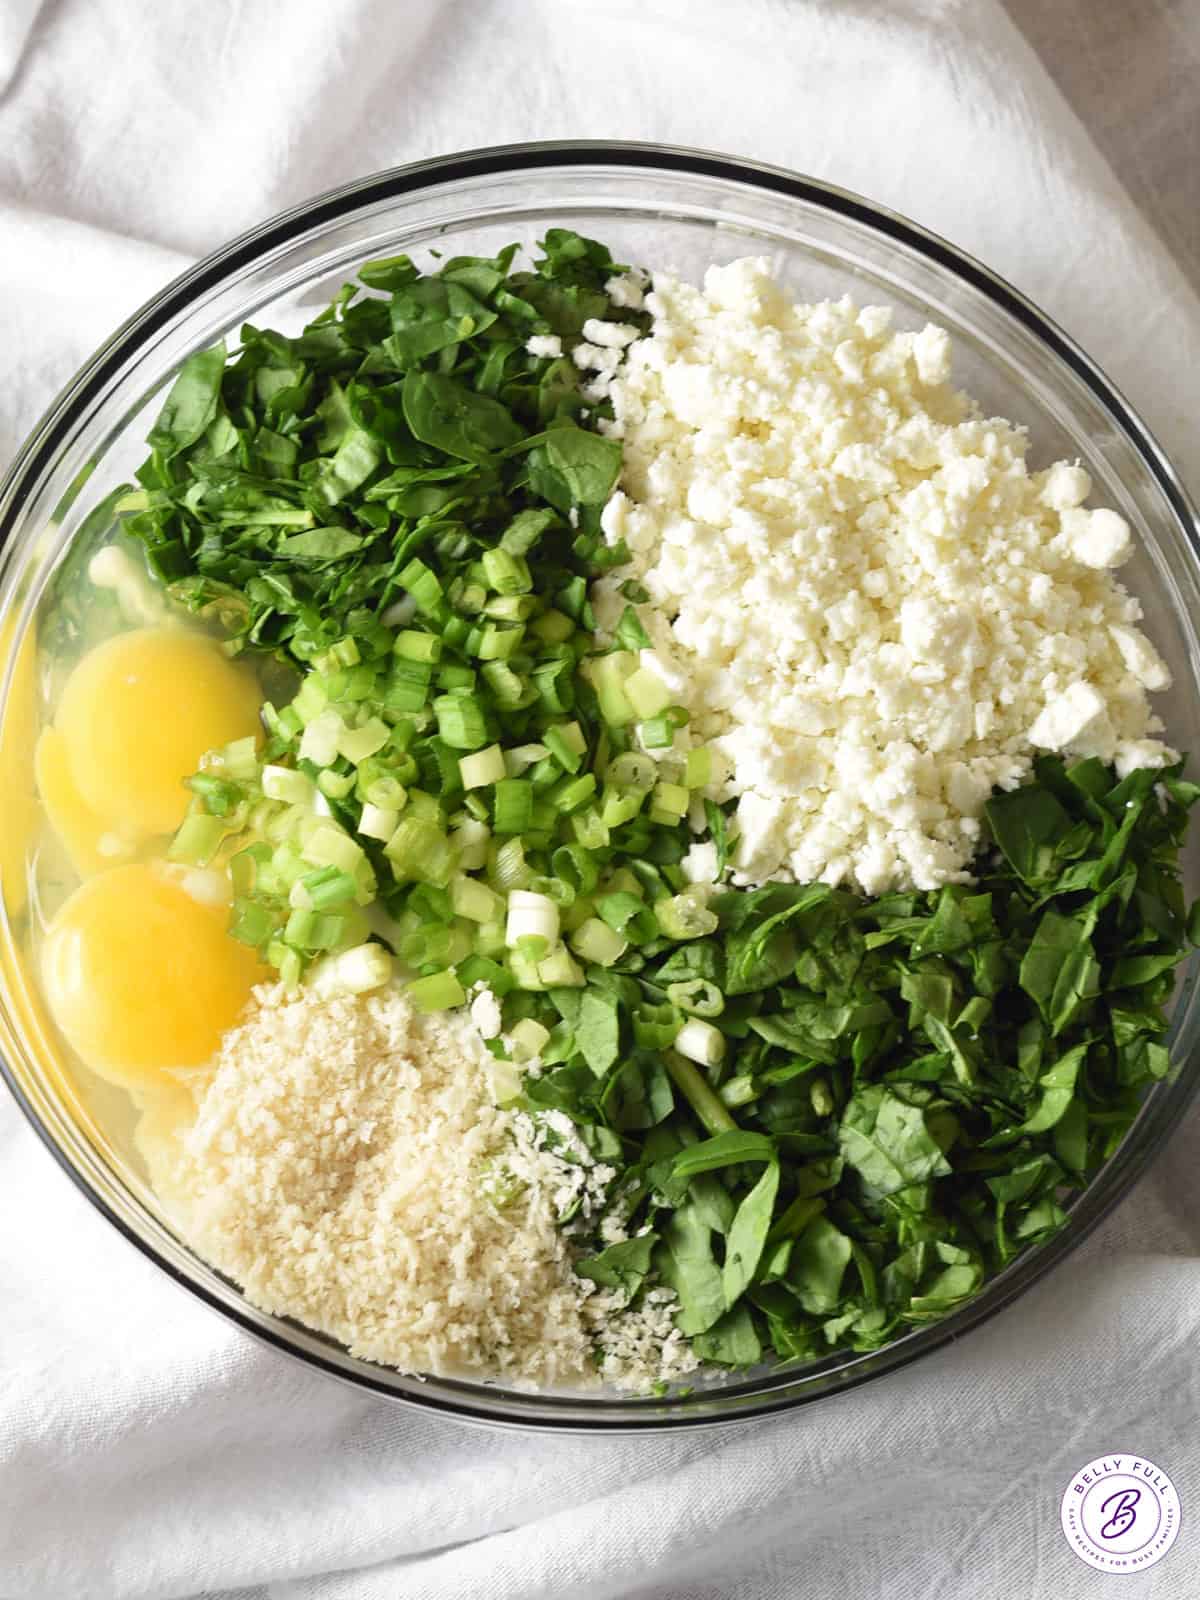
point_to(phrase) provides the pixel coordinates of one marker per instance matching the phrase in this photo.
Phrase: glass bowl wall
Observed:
(670, 208)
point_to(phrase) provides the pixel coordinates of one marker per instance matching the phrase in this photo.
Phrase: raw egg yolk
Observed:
(136, 715)
(16, 787)
(140, 976)
(89, 842)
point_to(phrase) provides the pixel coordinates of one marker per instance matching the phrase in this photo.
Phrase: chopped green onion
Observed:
(244, 867)
(531, 915)
(489, 939)
(509, 689)
(239, 759)
(378, 822)
(527, 1039)
(629, 631)
(609, 674)
(387, 792)
(657, 733)
(470, 839)
(672, 798)
(646, 693)
(440, 991)
(198, 840)
(524, 968)
(321, 737)
(293, 788)
(468, 596)
(415, 646)
(697, 997)
(454, 675)
(552, 680)
(821, 1097)
(655, 1027)
(483, 767)
(575, 866)
(621, 806)
(356, 744)
(474, 900)
(499, 641)
(552, 627)
(632, 770)
(354, 971)
(521, 757)
(565, 742)
(699, 1041)
(252, 923)
(327, 889)
(554, 889)
(220, 797)
(407, 687)
(478, 969)
(311, 699)
(507, 573)
(699, 1094)
(513, 808)
(426, 806)
(685, 916)
(461, 720)
(591, 829)
(329, 846)
(559, 971)
(508, 869)
(628, 914)
(419, 849)
(572, 793)
(345, 653)
(335, 785)
(425, 589)
(738, 1092)
(595, 941)
(547, 772)
(308, 930)
(513, 607)
(699, 768)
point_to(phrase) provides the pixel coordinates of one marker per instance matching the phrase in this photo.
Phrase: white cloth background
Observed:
(149, 1451)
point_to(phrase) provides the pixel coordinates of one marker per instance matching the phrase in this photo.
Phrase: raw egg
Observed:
(136, 715)
(91, 844)
(141, 976)
(16, 787)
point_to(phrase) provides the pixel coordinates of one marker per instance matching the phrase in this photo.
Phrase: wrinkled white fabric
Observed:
(147, 1450)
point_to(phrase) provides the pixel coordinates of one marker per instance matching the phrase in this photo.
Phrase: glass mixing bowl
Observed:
(675, 208)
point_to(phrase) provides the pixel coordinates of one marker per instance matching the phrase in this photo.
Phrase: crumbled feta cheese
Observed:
(1071, 719)
(699, 865)
(1097, 538)
(1140, 656)
(627, 291)
(614, 335)
(485, 1013)
(544, 344)
(595, 357)
(1064, 486)
(874, 613)
(931, 352)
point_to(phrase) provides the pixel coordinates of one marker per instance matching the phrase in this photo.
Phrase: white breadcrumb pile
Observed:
(868, 603)
(348, 1168)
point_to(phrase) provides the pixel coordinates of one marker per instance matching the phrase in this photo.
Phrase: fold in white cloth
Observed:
(147, 1450)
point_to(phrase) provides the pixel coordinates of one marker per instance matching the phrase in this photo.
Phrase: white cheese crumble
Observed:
(544, 344)
(871, 607)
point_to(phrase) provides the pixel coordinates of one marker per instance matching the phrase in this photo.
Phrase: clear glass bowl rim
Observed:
(779, 1390)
